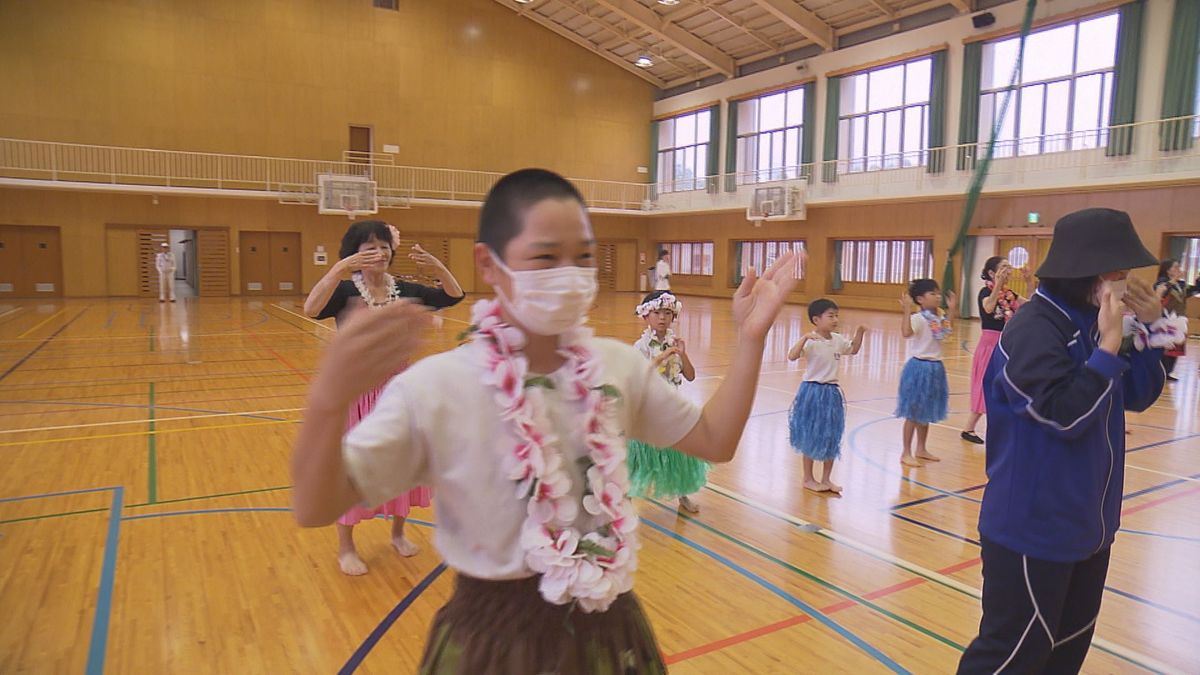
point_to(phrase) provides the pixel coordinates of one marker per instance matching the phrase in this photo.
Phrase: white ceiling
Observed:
(695, 39)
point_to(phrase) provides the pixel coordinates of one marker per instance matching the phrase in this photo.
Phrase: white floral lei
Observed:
(1165, 333)
(672, 370)
(591, 568)
(369, 298)
(664, 301)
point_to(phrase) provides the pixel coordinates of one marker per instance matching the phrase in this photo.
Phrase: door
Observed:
(606, 265)
(255, 262)
(30, 262)
(360, 144)
(1023, 253)
(285, 263)
(627, 266)
(12, 272)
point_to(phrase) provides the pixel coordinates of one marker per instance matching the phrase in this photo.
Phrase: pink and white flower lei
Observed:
(591, 568)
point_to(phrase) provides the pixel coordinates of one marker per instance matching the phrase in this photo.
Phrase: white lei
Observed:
(368, 298)
(672, 368)
(591, 568)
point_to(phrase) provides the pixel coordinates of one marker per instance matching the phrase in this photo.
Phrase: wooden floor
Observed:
(144, 528)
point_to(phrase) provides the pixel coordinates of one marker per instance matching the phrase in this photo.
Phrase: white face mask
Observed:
(550, 301)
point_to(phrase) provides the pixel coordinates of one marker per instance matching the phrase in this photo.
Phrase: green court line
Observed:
(814, 578)
(144, 504)
(152, 339)
(152, 441)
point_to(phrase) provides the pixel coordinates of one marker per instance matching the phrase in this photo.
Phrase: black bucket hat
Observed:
(1092, 242)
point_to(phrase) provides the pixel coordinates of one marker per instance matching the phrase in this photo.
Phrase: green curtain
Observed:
(833, 97)
(1177, 247)
(712, 182)
(985, 163)
(966, 304)
(809, 132)
(654, 160)
(937, 114)
(1124, 98)
(731, 145)
(837, 264)
(968, 114)
(1179, 86)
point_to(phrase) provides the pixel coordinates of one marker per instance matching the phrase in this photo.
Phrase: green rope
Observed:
(981, 169)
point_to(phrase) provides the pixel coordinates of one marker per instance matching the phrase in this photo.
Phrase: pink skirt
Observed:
(988, 340)
(398, 507)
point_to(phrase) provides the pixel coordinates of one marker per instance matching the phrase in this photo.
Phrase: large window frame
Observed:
(1055, 110)
(1190, 259)
(689, 258)
(770, 136)
(760, 254)
(684, 145)
(886, 261)
(884, 133)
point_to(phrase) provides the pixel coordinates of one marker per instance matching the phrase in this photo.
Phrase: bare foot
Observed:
(909, 460)
(815, 486)
(928, 457)
(833, 487)
(351, 564)
(688, 505)
(405, 547)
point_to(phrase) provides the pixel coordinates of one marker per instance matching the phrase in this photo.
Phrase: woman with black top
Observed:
(997, 303)
(360, 279)
(1174, 292)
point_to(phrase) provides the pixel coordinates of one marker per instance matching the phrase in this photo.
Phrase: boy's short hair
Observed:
(500, 219)
(920, 287)
(820, 306)
(662, 253)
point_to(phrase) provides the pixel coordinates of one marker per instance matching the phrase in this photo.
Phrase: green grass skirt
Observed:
(663, 472)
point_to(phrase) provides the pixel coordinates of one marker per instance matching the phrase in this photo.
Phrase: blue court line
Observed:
(108, 324)
(57, 494)
(1126, 594)
(1166, 442)
(852, 445)
(794, 601)
(108, 575)
(1160, 535)
(41, 344)
(376, 635)
(1160, 486)
(926, 500)
(166, 514)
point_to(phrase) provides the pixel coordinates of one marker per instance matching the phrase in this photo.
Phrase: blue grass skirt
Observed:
(817, 420)
(663, 472)
(924, 392)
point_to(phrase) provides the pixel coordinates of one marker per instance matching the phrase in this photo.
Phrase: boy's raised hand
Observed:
(371, 346)
(757, 301)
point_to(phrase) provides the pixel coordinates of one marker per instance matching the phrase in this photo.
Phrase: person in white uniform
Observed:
(164, 262)
(662, 272)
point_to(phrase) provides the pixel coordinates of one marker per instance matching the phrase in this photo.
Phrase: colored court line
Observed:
(98, 646)
(926, 500)
(14, 310)
(849, 595)
(1150, 504)
(174, 380)
(152, 447)
(1136, 658)
(46, 441)
(791, 599)
(376, 635)
(45, 341)
(1160, 535)
(159, 364)
(851, 444)
(43, 322)
(1159, 486)
(152, 339)
(151, 420)
(144, 504)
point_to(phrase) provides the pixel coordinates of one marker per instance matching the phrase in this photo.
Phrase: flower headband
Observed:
(664, 301)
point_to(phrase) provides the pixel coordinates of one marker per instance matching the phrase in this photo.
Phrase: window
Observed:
(1063, 93)
(770, 136)
(886, 262)
(759, 255)
(690, 257)
(1190, 259)
(683, 147)
(884, 117)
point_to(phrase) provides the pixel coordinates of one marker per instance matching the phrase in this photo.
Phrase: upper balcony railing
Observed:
(1133, 153)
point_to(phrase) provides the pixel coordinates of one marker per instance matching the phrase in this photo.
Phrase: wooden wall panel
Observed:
(148, 243)
(212, 261)
(123, 266)
(11, 269)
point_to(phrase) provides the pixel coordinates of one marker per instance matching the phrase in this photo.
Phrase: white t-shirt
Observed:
(922, 345)
(821, 357)
(436, 424)
(662, 276)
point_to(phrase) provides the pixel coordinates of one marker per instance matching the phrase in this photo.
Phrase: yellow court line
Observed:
(301, 316)
(1162, 473)
(145, 433)
(920, 570)
(147, 421)
(43, 322)
(143, 336)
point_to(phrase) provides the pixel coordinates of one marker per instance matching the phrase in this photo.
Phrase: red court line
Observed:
(1155, 502)
(279, 357)
(739, 638)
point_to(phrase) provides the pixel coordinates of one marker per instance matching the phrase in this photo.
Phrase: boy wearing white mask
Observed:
(521, 432)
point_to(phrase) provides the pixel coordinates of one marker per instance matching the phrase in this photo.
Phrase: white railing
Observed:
(291, 180)
(1157, 150)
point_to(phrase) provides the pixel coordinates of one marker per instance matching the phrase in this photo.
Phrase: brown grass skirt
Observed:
(506, 628)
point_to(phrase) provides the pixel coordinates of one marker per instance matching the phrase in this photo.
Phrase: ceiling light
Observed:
(525, 2)
(669, 3)
(643, 61)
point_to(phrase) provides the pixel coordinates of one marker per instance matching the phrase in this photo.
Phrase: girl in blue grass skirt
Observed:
(924, 391)
(664, 472)
(818, 415)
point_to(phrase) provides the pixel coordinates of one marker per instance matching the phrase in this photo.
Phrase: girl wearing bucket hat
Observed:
(1068, 366)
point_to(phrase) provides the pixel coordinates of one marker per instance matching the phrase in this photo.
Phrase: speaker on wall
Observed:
(983, 20)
